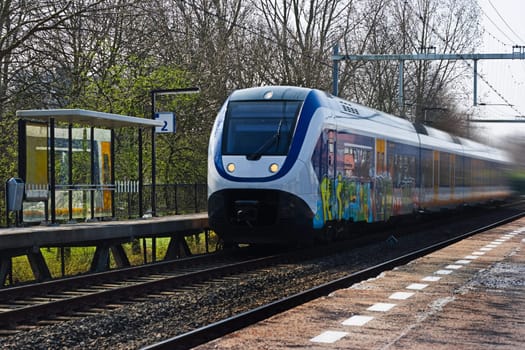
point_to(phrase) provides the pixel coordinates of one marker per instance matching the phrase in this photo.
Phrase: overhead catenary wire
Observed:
(491, 86)
(510, 76)
(330, 65)
(505, 22)
(508, 44)
(497, 27)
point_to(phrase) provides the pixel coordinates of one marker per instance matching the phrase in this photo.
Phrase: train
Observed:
(291, 164)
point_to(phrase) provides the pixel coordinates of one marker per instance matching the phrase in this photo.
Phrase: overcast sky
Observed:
(502, 22)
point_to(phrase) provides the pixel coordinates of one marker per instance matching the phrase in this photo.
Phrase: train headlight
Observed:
(230, 167)
(274, 168)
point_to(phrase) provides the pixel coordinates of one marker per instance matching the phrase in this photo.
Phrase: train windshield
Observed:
(257, 128)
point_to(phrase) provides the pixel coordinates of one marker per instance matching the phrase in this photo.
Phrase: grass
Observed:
(77, 260)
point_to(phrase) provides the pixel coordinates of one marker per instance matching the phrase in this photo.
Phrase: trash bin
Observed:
(15, 194)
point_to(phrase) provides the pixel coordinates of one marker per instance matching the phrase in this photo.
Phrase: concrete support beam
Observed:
(177, 248)
(100, 260)
(5, 270)
(38, 265)
(120, 256)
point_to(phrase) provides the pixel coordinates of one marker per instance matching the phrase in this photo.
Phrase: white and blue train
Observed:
(287, 164)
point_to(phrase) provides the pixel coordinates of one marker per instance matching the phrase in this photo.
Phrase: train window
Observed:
(256, 128)
(359, 159)
(402, 164)
(444, 170)
(467, 167)
(427, 171)
(459, 171)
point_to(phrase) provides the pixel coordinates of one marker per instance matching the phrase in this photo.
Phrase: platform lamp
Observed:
(154, 94)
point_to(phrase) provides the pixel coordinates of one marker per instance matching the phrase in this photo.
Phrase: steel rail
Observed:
(89, 279)
(98, 298)
(218, 329)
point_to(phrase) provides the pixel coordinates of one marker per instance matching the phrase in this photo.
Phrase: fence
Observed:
(171, 199)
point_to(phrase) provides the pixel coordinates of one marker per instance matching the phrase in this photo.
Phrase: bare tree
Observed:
(371, 83)
(20, 23)
(448, 26)
(204, 34)
(410, 27)
(302, 35)
(108, 54)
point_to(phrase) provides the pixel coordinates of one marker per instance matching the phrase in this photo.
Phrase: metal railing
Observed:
(171, 199)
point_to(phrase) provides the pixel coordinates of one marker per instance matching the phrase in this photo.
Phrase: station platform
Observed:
(470, 295)
(107, 236)
(89, 232)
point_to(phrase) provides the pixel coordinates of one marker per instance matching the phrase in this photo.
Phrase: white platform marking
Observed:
(471, 257)
(417, 286)
(381, 307)
(328, 337)
(453, 267)
(486, 249)
(491, 246)
(357, 320)
(478, 253)
(401, 295)
(464, 262)
(443, 272)
(500, 240)
(496, 242)
(431, 279)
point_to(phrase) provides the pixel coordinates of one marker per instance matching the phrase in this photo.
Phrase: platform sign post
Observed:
(168, 118)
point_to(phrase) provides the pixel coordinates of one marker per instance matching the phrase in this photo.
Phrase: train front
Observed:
(258, 184)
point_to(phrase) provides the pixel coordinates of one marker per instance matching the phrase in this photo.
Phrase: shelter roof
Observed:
(87, 117)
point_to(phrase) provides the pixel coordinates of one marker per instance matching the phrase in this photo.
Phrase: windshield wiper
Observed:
(269, 143)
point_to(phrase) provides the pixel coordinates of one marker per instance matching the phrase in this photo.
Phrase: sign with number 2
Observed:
(168, 119)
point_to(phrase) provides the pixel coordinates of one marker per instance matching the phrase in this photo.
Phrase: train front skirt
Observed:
(259, 216)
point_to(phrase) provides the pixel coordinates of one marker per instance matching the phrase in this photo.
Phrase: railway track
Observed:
(44, 301)
(28, 306)
(84, 296)
(218, 329)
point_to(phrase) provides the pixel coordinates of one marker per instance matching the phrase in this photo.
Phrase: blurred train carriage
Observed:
(286, 164)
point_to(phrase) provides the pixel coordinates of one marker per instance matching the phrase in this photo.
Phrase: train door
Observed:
(435, 176)
(327, 173)
(380, 156)
(382, 182)
(426, 177)
(459, 182)
(452, 176)
(331, 172)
